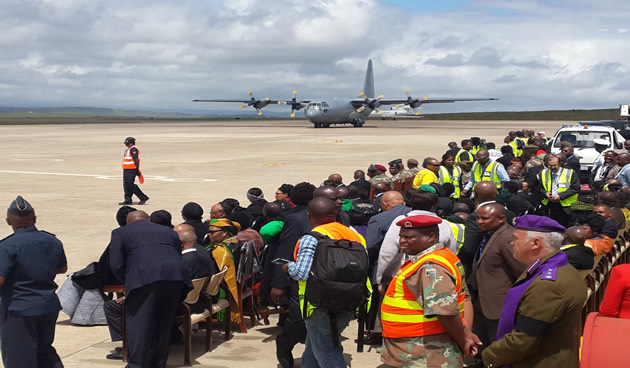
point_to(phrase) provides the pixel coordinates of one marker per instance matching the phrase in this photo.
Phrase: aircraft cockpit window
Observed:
(324, 104)
(319, 105)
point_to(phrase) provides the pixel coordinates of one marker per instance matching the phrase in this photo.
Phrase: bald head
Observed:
(183, 227)
(380, 187)
(359, 174)
(485, 191)
(137, 216)
(322, 210)
(188, 238)
(329, 192)
(217, 211)
(336, 179)
(608, 198)
(483, 156)
(602, 210)
(391, 199)
(575, 235)
(490, 217)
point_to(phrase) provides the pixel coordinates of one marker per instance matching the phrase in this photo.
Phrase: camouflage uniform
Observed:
(434, 288)
(402, 176)
(413, 171)
(382, 178)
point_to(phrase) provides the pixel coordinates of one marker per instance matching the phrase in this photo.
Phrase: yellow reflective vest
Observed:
(489, 174)
(446, 177)
(564, 182)
(467, 156)
(458, 233)
(517, 152)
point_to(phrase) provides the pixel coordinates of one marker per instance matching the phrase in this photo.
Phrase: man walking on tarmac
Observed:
(131, 169)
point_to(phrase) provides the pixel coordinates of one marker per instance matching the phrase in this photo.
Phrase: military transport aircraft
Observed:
(353, 111)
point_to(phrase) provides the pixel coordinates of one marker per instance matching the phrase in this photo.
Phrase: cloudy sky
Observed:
(158, 54)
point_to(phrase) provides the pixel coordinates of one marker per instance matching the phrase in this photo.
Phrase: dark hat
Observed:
(161, 217)
(419, 221)
(129, 140)
(372, 167)
(380, 168)
(286, 188)
(395, 162)
(192, 211)
(20, 207)
(538, 223)
(531, 147)
(427, 188)
(121, 215)
(412, 161)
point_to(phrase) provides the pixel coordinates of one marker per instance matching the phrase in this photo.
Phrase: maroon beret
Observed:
(380, 167)
(418, 221)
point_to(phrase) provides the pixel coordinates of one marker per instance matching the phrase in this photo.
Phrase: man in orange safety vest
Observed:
(131, 169)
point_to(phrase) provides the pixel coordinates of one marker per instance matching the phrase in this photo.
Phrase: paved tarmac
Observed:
(71, 174)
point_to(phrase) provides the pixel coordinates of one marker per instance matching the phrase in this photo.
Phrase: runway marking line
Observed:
(114, 177)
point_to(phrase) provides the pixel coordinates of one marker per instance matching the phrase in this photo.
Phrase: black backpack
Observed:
(337, 281)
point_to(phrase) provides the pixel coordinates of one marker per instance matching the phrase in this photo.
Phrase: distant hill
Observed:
(563, 115)
(25, 112)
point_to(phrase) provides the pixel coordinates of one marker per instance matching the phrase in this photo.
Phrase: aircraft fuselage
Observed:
(335, 111)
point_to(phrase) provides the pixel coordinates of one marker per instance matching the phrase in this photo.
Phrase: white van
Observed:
(581, 137)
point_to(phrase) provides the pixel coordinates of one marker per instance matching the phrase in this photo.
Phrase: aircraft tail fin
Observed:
(368, 84)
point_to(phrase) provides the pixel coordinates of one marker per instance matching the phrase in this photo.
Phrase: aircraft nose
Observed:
(310, 113)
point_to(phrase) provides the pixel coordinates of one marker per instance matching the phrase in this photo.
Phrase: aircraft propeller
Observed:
(413, 103)
(295, 104)
(257, 104)
(373, 104)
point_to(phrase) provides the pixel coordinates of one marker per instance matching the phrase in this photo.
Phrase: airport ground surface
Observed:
(71, 175)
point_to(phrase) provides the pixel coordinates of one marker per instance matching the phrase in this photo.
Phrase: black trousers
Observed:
(27, 342)
(113, 315)
(293, 329)
(485, 329)
(559, 213)
(130, 187)
(150, 311)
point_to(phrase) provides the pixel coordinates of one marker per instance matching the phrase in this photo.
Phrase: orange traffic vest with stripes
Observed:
(128, 159)
(402, 315)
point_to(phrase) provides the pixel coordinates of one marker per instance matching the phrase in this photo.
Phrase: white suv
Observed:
(581, 137)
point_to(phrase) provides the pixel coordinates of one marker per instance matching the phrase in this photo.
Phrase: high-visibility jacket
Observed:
(467, 155)
(515, 150)
(458, 233)
(489, 174)
(446, 177)
(127, 162)
(475, 149)
(564, 182)
(402, 315)
(333, 230)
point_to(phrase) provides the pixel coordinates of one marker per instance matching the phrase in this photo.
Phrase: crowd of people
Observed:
(471, 258)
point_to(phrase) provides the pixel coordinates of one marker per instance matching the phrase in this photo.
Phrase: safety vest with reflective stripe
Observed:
(128, 159)
(333, 230)
(564, 182)
(467, 155)
(458, 233)
(515, 150)
(489, 174)
(475, 149)
(402, 315)
(445, 177)
(568, 246)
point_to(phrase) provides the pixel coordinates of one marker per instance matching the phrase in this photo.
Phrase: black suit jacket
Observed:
(200, 228)
(143, 253)
(377, 228)
(296, 224)
(198, 266)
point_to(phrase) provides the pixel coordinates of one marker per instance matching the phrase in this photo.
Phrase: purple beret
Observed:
(538, 223)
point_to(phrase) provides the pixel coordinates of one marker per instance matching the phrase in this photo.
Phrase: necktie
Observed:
(482, 245)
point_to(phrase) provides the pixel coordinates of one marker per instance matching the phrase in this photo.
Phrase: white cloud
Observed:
(162, 54)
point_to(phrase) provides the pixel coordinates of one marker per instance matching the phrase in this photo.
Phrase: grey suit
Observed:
(376, 230)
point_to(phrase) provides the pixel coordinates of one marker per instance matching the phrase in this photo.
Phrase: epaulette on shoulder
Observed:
(549, 274)
(7, 237)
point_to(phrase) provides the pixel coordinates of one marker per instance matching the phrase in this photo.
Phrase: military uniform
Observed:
(402, 176)
(381, 178)
(538, 320)
(430, 284)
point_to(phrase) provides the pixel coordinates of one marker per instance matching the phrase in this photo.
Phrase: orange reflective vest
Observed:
(402, 315)
(128, 159)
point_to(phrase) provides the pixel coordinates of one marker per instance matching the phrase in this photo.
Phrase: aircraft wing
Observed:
(428, 100)
(243, 101)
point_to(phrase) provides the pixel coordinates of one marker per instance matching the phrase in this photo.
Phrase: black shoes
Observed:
(143, 201)
(116, 354)
(124, 203)
(285, 360)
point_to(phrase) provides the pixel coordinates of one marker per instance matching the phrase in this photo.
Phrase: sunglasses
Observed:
(214, 231)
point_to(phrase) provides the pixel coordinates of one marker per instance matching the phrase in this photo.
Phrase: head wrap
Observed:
(227, 225)
(192, 211)
(427, 188)
(253, 198)
(161, 217)
(20, 207)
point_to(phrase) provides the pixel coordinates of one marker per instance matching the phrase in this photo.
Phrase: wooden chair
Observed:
(246, 294)
(408, 184)
(212, 290)
(398, 186)
(189, 319)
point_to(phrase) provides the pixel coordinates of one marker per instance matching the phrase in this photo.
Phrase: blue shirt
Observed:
(29, 260)
(300, 269)
(624, 176)
(501, 173)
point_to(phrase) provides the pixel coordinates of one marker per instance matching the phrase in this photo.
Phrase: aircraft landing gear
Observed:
(321, 125)
(358, 123)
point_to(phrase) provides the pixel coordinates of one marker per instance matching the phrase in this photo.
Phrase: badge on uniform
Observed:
(430, 272)
(562, 185)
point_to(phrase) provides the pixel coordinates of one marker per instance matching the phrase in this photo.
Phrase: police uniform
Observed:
(541, 311)
(428, 285)
(29, 260)
(130, 171)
